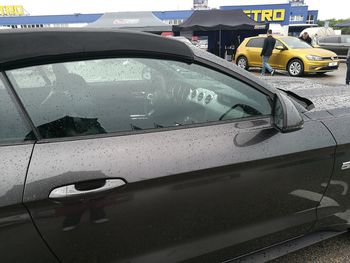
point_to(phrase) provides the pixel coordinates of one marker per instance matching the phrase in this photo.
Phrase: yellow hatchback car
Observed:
(290, 53)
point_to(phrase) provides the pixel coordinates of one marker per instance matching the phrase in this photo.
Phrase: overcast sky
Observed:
(327, 9)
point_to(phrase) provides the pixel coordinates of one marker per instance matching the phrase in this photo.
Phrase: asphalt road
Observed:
(335, 77)
(334, 250)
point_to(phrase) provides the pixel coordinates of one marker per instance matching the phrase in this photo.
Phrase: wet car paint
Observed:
(333, 110)
(194, 193)
(19, 239)
(338, 214)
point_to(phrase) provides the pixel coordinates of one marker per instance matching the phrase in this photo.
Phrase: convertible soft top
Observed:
(27, 47)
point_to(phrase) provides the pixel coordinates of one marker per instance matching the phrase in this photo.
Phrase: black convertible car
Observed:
(128, 147)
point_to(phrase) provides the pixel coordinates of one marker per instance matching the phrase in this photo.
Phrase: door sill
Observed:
(284, 248)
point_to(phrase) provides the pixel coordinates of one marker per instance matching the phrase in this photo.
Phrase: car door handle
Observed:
(74, 190)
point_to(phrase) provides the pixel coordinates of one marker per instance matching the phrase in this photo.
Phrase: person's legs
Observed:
(263, 66)
(348, 72)
(267, 65)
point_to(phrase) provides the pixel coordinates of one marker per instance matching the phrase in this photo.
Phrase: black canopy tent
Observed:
(220, 20)
(137, 21)
(207, 20)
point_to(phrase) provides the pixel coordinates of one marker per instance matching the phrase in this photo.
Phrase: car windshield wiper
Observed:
(306, 103)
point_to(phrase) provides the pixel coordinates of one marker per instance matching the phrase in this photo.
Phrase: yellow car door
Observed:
(254, 47)
(279, 57)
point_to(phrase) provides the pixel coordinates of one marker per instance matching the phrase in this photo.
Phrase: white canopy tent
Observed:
(315, 32)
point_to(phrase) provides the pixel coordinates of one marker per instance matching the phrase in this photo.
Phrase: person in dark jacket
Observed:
(266, 52)
(306, 38)
(348, 71)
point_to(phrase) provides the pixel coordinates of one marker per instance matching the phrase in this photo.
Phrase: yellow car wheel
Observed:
(242, 62)
(295, 68)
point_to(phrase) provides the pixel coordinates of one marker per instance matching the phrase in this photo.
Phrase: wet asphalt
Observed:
(335, 77)
(332, 78)
(334, 250)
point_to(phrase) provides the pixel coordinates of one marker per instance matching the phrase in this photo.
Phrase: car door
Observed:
(279, 58)
(19, 240)
(335, 205)
(199, 175)
(254, 47)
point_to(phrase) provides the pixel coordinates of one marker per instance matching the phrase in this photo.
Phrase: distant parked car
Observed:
(337, 44)
(290, 53)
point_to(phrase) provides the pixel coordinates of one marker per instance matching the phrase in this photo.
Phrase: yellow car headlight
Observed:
(314, 58)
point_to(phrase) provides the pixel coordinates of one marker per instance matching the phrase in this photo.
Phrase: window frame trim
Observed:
(10, 144)
(153, 130)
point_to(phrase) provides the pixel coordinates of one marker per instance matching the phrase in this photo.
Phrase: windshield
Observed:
(295, 43)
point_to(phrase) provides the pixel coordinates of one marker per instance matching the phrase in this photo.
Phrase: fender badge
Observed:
(345, 166)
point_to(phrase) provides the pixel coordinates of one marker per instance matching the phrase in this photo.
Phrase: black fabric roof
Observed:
(138, 21)
(33, 46)
(346, 24)
(206, 20)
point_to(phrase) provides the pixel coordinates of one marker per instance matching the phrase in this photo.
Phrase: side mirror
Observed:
(286, 117)
(316, 46)
(280, 48)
